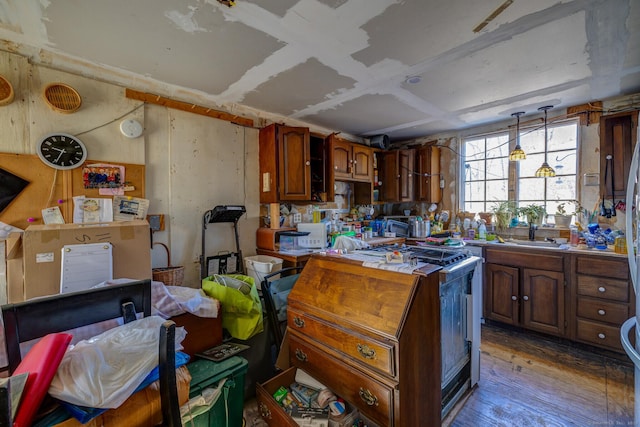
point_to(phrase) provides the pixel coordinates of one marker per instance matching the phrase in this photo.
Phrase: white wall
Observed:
(193, 163)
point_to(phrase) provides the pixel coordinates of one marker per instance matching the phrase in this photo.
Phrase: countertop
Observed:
(581, 249)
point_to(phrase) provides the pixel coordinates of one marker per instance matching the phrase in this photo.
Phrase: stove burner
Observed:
(431, 255)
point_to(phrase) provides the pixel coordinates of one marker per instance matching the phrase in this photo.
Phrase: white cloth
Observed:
(102, 372)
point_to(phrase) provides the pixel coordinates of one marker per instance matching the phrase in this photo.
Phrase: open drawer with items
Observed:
(275, 415)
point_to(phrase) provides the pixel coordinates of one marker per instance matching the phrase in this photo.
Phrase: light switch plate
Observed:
(591, 179)
(297, 217)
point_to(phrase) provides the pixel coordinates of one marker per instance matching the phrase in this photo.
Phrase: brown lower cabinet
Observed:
(371, 336)
(584, 296)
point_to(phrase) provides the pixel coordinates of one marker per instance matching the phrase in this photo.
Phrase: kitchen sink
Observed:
(538, 243)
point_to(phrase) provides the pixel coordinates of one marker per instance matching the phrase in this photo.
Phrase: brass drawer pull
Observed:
(298, 322)
(368, 397)
(264, 411)
(366, 352)
(601, 312)
(300, 355)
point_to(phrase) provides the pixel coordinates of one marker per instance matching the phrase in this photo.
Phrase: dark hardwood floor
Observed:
(528, 379)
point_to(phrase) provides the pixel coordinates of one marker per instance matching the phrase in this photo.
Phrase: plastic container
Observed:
(206, 374)
(259, 266)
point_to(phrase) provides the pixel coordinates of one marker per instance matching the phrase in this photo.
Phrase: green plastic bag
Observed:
(241, 308)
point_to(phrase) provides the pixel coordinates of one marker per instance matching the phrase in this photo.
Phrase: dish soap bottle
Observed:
(482, 230)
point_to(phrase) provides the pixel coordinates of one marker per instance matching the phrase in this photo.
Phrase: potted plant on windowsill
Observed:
(533, 213)
(563, 219)
(503, 211)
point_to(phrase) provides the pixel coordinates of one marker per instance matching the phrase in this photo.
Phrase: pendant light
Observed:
(545, 170)
(517, 153)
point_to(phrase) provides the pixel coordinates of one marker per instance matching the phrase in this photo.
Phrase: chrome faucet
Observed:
(532, 231)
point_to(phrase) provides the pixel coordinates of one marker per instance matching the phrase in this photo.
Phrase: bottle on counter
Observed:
(482, 230)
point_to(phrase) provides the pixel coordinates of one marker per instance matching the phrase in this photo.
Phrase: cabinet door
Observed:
(543, 301)
(362, 163)
(617, 139)
(388, 170)
(501, 293)
(428, 180)
(294, 163)
(342, 159)
(407, 162)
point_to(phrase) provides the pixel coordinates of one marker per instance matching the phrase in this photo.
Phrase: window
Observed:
(486, 168)
(486, 172)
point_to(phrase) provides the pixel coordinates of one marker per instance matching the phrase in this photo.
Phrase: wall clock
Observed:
(62, 151)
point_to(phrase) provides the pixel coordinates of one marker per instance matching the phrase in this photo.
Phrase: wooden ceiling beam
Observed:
(185, 106)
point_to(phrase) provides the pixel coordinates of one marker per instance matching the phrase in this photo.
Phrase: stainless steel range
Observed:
(460, 314)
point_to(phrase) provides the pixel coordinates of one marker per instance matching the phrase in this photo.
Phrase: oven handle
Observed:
(469, 323)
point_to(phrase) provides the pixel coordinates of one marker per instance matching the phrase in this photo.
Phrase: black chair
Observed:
(36, 318)
(275, 294)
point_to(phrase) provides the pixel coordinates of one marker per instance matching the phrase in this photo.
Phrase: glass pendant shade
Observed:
(545, 171)
(517, 153)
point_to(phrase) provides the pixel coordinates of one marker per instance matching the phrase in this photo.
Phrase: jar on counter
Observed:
(620, 245)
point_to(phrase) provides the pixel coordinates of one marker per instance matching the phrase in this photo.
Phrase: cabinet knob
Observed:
(366, 351)
(514, 298)
(301, 355)
(368, 397)
(526, 298)
(354, 161)
(601, 336)
(602, 289)
(307, 163)
(335, 167)
(298, 322)
(601, 312)
(264, 411)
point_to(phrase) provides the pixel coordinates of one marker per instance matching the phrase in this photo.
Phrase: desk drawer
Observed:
(374, 353)
(599, 334)
(603, 287)
(373, 398)
(602, 311)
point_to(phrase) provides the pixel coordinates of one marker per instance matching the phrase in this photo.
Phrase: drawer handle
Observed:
(601, 336)
(368, 397)
(298, 322)
(601, 312)
(602, 289)
(300, 355)
(264, 411)
(514, 298)
(526, 298)
(366, 352)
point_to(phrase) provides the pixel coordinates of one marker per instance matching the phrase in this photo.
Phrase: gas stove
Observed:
(443, 257)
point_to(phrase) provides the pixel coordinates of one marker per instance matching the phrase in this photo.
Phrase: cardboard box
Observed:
(42, 252)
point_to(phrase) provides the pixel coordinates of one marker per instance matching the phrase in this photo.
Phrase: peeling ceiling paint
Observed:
(342, 64)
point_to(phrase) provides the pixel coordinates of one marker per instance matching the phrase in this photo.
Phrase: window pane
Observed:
(529, 166)
(561, 188)
(474, 207)
(564, 162)
(498, 168)
(474, 191)
(498, 146)
(474, 170)
(562, 136)
(531, 189)
(532, 141)
(474, 149)
(497, 190)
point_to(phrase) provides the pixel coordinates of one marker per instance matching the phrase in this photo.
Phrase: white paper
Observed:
(129, 208)
(84, 266)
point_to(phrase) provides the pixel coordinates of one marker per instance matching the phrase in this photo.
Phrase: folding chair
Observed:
(36, 318)
(275, 293)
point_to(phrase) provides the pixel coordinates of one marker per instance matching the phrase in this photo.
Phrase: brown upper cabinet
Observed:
(617, 139)
(396, 169)
(428, 177)
(350, 161)
(292, 165)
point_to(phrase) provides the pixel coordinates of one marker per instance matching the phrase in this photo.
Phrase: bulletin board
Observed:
(46, 186)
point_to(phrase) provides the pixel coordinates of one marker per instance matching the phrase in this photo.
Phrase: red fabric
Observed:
(41, 362)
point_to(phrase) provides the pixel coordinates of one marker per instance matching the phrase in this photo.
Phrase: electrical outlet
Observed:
(297, 217)
(442, 183)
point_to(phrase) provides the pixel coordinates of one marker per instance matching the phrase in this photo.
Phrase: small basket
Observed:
(170, 276)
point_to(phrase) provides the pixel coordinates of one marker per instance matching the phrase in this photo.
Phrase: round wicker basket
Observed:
(6, 92)
(62, 98)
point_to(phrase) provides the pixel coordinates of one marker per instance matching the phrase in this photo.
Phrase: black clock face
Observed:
(62, 151)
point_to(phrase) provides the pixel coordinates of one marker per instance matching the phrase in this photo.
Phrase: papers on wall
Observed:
(84, 266)
(52, 215)
(129, 208)
(92, 210)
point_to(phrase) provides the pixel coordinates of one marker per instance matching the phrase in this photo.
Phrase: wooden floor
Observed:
(532, 380)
